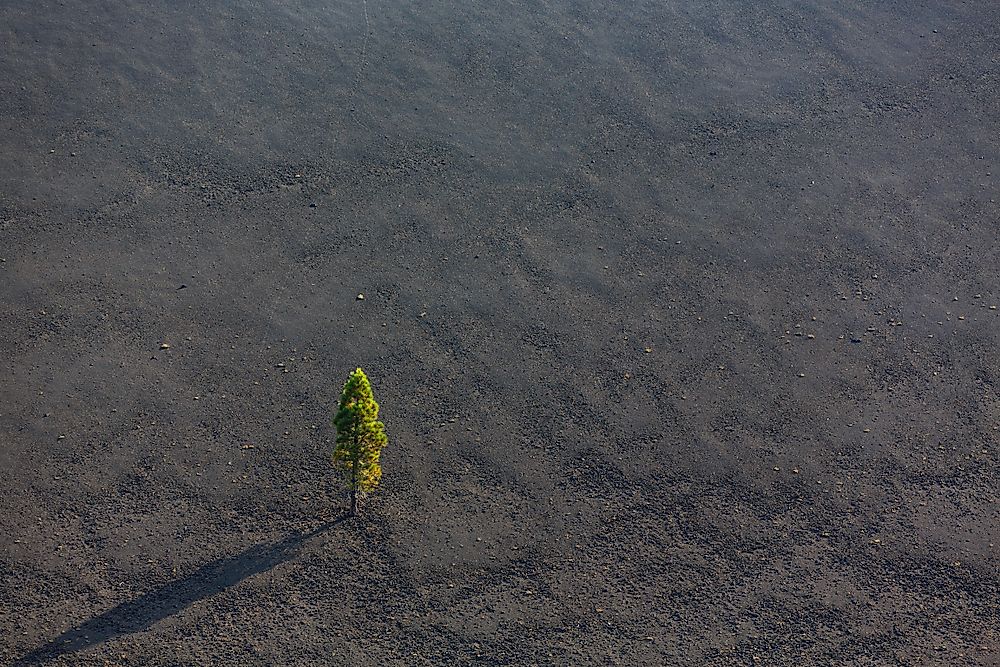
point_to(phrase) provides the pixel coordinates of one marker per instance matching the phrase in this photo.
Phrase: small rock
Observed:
(361, 297)
(164, 346)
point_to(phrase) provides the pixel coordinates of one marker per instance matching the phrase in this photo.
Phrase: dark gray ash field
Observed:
(682, 316)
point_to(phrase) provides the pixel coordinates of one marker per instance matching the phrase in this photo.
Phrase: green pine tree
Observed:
(360, 437)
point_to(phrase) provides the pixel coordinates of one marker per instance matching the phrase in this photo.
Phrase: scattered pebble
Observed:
(361, 297)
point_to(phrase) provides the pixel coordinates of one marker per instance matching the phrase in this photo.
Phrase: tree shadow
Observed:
(142, 612)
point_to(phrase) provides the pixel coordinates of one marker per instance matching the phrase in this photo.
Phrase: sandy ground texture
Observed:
(682, 315)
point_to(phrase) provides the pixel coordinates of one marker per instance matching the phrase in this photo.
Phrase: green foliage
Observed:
(360, 436)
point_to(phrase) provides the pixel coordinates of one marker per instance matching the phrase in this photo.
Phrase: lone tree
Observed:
(360, 437)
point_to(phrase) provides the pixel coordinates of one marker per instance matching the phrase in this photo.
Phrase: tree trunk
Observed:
(354, 489)
(354, 471)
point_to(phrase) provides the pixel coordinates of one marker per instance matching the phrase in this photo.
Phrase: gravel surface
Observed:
(682, 316)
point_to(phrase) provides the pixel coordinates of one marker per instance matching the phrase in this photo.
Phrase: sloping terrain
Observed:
(682, 315)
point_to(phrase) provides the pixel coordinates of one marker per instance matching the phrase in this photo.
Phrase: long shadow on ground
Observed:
(142, 612)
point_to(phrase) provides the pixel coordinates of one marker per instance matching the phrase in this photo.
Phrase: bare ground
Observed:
(682, 315)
